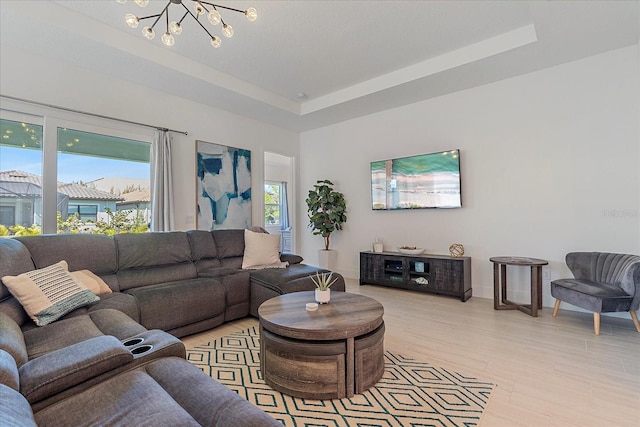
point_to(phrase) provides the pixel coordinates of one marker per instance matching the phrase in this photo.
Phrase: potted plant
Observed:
(323, 284)
(327, 210)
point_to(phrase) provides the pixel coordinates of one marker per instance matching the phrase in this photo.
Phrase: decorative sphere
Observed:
(456, 250)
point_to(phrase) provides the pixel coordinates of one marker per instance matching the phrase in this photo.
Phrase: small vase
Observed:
(323, 297)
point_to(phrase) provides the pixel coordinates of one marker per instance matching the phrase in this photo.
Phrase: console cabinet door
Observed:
(447, 275)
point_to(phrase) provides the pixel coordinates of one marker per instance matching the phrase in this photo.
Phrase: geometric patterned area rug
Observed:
(411, 393)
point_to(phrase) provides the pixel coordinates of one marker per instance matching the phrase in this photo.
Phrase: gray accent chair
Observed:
(602, 283)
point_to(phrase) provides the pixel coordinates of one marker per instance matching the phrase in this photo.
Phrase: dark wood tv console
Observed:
(439, 274)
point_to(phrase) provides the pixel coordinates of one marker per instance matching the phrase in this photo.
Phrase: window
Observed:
(84, 212)
(272, 203)
(20, 173)
(7, 214)
(62, 175)
(99, 172)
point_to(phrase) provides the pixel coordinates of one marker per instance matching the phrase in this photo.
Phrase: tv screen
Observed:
(416, 182)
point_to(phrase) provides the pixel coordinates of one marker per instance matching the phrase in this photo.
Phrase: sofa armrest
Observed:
(14, 409)
(56, 371)
(291, 258)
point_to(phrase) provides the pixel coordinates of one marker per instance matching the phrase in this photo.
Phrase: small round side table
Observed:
(500, 302)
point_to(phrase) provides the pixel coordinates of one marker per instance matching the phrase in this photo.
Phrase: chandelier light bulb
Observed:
(214, 17)
(227, 31)
(175, 28)
(252, 14)
(131, 20)
(168, 39)
(148, 33)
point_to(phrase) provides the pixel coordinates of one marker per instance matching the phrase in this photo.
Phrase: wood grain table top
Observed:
(515, 260)
(347, 315)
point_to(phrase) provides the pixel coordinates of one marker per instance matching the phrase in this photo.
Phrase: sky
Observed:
(71, 168)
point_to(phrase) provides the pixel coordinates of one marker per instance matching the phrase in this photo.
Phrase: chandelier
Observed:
(175, 27)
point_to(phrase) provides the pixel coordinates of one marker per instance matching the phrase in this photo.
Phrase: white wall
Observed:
(26, 76)
(549, 159)
(549, 166)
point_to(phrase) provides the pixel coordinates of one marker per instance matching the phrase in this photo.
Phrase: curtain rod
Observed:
(91, 114)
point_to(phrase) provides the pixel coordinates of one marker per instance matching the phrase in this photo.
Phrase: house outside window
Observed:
(94, 170)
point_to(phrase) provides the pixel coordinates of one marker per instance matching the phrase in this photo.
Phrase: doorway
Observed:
(278, 199)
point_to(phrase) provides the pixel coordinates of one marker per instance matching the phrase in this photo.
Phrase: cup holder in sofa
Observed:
(133, 341)
(141, 349)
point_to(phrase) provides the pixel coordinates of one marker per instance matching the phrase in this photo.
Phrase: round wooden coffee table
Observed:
(333, 352)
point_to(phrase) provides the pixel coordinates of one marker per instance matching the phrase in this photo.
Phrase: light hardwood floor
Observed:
(549, 371)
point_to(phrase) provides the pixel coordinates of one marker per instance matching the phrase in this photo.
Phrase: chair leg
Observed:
(634, 316)
(555, 308)
(596, 323)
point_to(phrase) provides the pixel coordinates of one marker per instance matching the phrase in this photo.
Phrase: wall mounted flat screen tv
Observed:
(417, 182)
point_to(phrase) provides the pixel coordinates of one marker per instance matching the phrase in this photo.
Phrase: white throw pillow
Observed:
(261, 250)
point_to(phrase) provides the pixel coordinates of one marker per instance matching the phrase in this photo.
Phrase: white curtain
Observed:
(162, 214)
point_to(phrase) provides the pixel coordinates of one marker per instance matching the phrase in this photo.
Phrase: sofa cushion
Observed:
(117, 300)
(261, 251)
(208, 401)
(278, 279)
(49, 293)
(590, 295)
(93, 252)
(153, 258)
(165, 392)
(174, 304)
(229, 243)
(204, 251)
(217, 272)
(134, 399)
(152, 249)
(16, 260)
(66, 332)
(59, 370)
(202, 244)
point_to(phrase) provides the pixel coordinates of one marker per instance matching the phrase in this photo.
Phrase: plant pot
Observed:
(323, 297)
(327, 259)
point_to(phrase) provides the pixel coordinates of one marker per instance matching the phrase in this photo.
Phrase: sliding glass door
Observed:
(20, 174)
(58, 175)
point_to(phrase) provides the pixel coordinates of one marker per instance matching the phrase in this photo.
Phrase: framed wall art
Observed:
(223, 185)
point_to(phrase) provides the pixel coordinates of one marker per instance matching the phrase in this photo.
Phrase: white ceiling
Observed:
(350, 58)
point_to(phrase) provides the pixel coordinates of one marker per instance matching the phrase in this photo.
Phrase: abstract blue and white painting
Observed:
(223, 186)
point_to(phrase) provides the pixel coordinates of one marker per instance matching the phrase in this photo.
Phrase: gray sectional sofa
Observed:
(163, 286)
